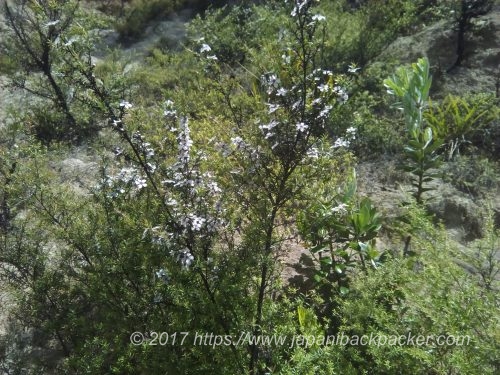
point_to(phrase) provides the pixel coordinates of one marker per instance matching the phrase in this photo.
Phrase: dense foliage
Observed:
(166, 195)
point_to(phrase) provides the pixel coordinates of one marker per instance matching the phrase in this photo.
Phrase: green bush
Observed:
(428, 295)
(462, 121)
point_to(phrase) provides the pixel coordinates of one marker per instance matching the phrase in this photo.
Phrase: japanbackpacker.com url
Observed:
(154, 338)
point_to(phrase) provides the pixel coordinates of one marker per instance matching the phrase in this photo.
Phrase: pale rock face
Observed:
(438, 42)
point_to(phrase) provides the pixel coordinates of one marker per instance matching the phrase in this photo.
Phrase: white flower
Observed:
(151, 167)
(52, 23)
(313, 153)
(341, 208)
(323, 88)
(297, 9)
(162, 275)
(169, 111)
(301, 127)
(205, 48)
(341, 93)
(212, 57)
(238, 142)
(124, 104)
(341, 142)
(186, 258)
(171, 202)
(325, 111)
(318, 17)
(213, 187)
(71, 41)
(140, 183)
(269, 127)
(353, 69)
(184, 141)
(273, 108)
(126, 174)
(286, 58)
(281, 92)
(297, 104)
(197, 222)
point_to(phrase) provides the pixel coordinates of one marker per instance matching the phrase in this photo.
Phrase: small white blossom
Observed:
(281, 92)
(162, 275)
(238, 142)
(341, 93)
(184, 141)
(126, 175)
(273, 108)
(326, 111)
(341, 208)
(341, 142)
(124, 104)
(267, 128)
(301, 127)
(151, 167)
(169, 111)
(171, 202)
(318, 17)
(205, 48)
(313, 153)
(197, 223)
(140, 183)
(298, 8)
(323, 88)
(286, 58)
(353, 69)
(52, 23)
(213, 187)
(185, 258)
(118, 124)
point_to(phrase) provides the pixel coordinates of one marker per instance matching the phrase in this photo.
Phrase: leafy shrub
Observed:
(412, 87)
(340, 232)
(50, 48)
(460, 121)
(431, 295)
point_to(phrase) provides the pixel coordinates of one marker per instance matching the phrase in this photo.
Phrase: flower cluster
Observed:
(286, 104)
(126, 180)
(162, 275)
(170, 112)
(301, 7)
(145, 149)
(185, 258)
(205, 51)
(184, 142)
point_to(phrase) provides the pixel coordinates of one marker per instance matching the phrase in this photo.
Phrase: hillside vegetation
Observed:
(265, 187)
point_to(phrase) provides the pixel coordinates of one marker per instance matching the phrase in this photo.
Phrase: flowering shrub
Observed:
(213, 162)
